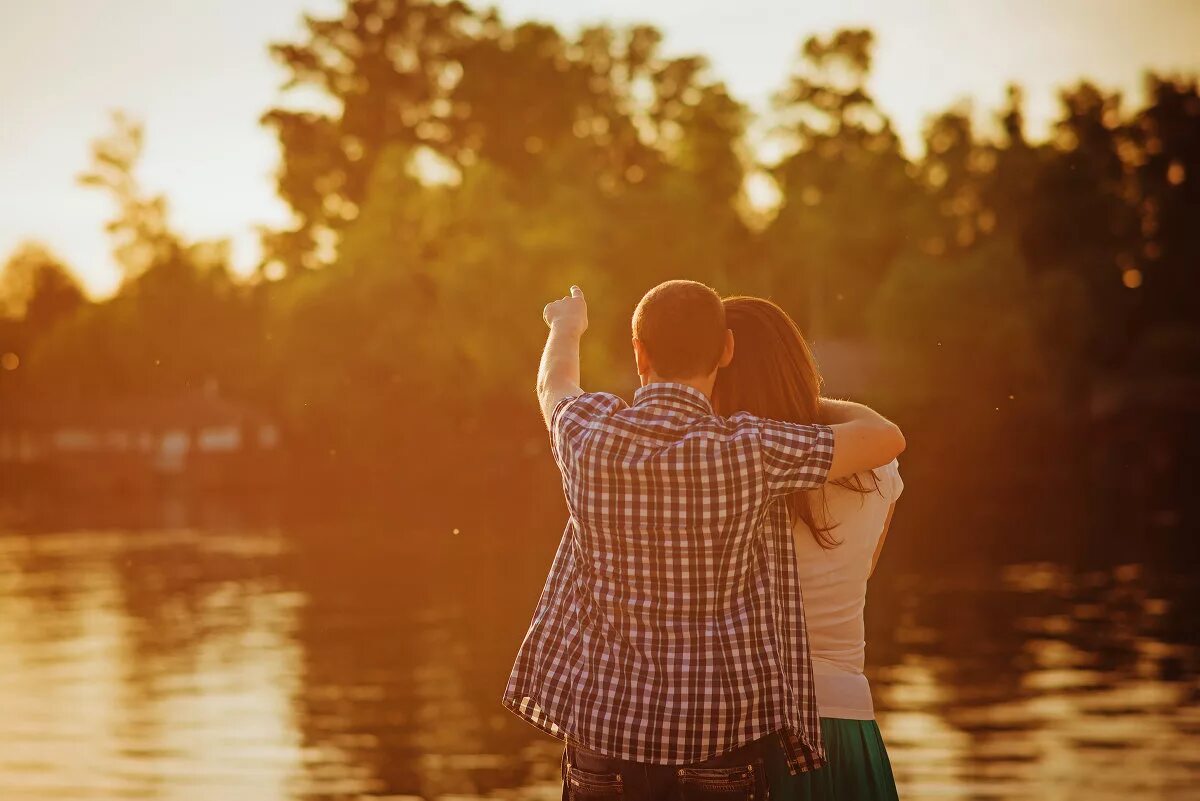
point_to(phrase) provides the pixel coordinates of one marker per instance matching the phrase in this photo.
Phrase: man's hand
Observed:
(558, 375)
(568, 314)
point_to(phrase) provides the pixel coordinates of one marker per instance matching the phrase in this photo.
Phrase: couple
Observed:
(669, 648)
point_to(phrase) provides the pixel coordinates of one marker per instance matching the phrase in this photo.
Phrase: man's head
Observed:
(679, 334)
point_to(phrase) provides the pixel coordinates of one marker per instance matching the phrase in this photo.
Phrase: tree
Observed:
(386, 69)
(1165, 163)
(37, 293)
(38, 288)
(846, 191)
(416, 320)
(963, 325)
(141, 238)
(955, 174)
(1081, 215)
(178, 320)
(605, 109)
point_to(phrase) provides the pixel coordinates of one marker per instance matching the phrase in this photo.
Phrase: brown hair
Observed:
(773, 375)
(681, 324)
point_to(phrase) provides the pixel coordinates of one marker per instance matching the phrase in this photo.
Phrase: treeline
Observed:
(460, 171)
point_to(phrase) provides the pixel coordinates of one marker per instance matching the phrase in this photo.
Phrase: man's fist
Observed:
(567, 314)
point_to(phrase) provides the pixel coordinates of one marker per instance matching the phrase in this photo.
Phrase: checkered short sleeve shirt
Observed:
(671, 626)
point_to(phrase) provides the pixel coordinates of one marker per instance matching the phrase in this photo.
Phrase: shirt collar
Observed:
(679, 396)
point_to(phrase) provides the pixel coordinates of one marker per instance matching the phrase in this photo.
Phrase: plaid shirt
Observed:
(671, 627)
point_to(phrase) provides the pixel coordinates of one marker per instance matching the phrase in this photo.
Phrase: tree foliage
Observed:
(449, 173)
(179, 320)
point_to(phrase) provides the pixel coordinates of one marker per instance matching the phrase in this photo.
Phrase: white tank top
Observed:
(834, 583)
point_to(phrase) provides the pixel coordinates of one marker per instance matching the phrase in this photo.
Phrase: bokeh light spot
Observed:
(1176, 173)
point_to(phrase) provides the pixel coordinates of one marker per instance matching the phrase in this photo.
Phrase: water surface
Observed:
(238, 663)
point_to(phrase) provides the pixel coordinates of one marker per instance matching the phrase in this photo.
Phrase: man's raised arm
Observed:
(863, 439)
(558, 374)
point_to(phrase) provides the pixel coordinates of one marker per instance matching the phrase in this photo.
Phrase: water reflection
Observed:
(1081, 700)
(191, 664)
(127, 675)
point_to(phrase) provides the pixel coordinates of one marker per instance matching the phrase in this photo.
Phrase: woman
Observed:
(839, 531)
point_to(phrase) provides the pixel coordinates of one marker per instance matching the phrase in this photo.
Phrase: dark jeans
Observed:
(738, 775)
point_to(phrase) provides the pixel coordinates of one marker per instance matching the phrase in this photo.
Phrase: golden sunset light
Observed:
(609, 401)
(201, 102)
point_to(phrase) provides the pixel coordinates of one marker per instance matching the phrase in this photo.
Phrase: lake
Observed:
(309, 660)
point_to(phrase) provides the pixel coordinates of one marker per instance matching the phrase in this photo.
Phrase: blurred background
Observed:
(275, 498)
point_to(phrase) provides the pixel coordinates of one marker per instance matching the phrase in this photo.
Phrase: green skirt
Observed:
(858, 769)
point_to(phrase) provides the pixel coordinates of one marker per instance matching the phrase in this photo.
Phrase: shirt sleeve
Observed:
(893, 484)
(571, 418)
(794, 456)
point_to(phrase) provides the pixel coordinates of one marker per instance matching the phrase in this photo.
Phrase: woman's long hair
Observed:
(773, 375)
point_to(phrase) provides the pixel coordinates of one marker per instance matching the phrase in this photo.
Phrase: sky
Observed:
(198, 75)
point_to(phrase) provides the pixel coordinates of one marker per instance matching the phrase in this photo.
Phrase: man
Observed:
(668, 643)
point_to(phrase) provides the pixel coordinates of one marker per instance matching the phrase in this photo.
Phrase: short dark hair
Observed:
(681, 324)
